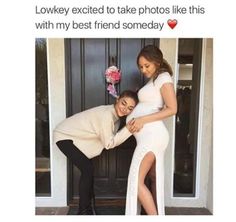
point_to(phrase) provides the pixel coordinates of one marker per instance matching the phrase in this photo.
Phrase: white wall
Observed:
(207, 132)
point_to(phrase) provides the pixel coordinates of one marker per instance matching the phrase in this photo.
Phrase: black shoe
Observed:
(93, 207)
(86, 211)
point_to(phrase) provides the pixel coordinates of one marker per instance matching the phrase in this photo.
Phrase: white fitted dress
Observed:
(152, 137)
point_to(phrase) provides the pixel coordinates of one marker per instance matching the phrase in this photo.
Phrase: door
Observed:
(86, 62)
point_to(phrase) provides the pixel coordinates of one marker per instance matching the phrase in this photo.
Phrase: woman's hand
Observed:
(129, 128)
(135, 125)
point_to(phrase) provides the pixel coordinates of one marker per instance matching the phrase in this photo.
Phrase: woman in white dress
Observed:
(157, 101)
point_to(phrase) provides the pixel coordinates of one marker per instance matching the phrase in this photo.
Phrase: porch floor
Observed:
(109, 210)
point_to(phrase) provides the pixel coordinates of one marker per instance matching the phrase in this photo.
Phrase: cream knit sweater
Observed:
(93, 130)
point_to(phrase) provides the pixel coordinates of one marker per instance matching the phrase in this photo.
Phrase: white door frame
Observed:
(57, 112)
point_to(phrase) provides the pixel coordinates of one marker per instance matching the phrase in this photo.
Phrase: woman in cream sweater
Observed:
(84, 135)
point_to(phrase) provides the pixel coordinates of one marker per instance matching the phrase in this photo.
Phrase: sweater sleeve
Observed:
(109, 137)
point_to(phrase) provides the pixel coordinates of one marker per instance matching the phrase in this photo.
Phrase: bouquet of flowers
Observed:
(113, 76)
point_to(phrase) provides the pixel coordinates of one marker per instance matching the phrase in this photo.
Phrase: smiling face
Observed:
(149, 69)
(124, 106)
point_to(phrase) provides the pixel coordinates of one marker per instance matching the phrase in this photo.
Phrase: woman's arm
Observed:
(109, 136)
(170, 109)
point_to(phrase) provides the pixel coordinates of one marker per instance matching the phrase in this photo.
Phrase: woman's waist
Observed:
(153, 129)
(143, 109)
(148, 106)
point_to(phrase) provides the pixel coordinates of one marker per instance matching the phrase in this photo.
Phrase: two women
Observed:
(84, 135)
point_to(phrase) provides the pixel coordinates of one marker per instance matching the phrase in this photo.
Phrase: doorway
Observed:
(186, 124)
(86, 62)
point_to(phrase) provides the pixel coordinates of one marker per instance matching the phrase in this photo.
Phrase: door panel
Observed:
(131, 78)
(94, 65)
(86, 62)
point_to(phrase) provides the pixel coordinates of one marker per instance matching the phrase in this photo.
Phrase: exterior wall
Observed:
(207, 132)
(205, 128)
(57, 112)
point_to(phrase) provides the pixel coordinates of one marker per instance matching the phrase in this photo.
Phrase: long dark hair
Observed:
(154, 54)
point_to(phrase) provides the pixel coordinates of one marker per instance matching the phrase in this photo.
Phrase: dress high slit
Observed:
(153, 137)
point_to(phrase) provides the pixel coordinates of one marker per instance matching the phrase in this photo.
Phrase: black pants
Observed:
(85, 166)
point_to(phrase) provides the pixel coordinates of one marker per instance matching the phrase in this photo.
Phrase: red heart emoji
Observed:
(172, 23)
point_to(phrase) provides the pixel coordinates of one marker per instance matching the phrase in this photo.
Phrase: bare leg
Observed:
(144, 195)
(152, 177)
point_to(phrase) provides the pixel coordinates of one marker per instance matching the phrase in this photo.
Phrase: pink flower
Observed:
(113, 75)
